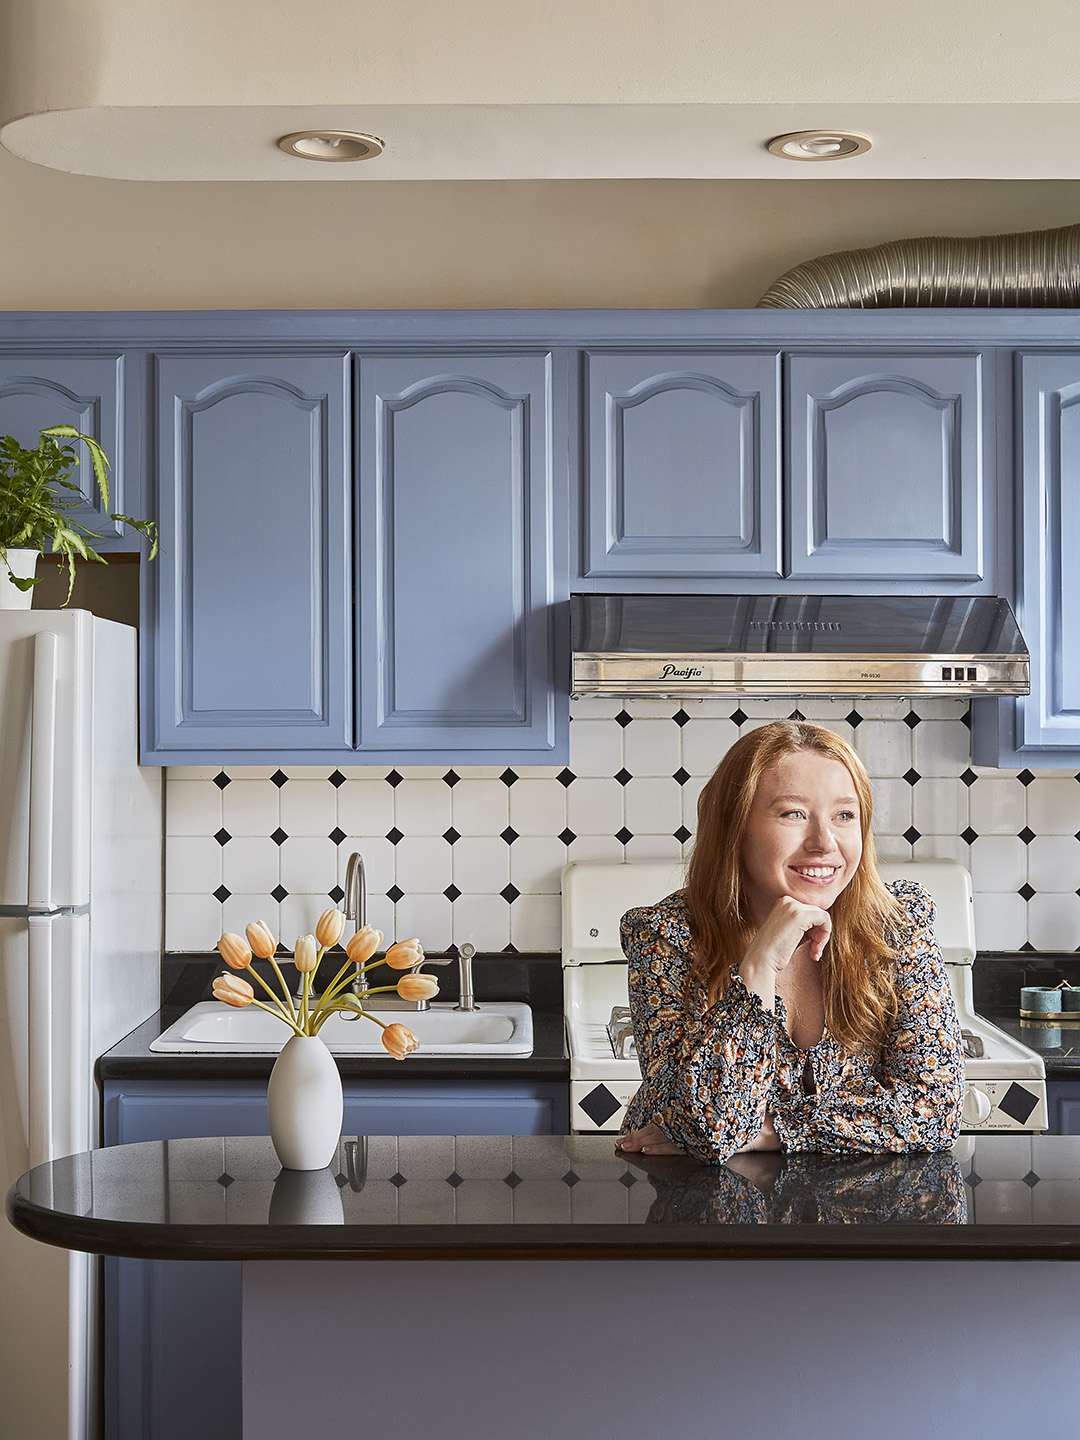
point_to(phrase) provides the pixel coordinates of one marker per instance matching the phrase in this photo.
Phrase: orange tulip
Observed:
(417, 987)
(399, 1040)
(405, 954)
(261, 939)
(306, 954)
(233, 991)
(234, 952)
(363, 945)
(329, 926)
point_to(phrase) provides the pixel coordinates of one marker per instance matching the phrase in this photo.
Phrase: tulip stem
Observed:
(285, 1014)
(342, 981)
(284, 989)
(278, 1014)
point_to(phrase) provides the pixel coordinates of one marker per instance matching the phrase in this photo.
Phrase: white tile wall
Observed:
(475, 853)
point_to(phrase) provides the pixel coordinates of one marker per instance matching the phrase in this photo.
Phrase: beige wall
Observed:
(78, 243)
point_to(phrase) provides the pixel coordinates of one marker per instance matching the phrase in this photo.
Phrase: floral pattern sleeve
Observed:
(706, 1080)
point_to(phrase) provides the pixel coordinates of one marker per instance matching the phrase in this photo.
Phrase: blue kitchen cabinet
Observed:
(89, 391)
(461, 556)
(1042, 730)
(253, 631)
(172, 1327)
(1063, 1107)
(682, 466)
(886, 467)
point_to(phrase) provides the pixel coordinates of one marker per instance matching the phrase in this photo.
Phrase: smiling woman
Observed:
(787, 998)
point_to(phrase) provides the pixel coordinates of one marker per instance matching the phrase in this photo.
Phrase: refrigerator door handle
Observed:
(42, 772)
(40, 1038)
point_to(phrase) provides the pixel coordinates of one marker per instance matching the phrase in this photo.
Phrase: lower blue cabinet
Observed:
(1063, 1107)
(172, 1327)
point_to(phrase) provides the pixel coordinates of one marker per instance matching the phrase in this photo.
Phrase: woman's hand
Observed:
(789, 925)
(649, 1140)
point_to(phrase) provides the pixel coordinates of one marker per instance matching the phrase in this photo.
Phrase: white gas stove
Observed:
(1006, 1082)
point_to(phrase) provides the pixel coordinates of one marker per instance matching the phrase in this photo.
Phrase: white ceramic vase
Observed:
(304, 1104)
(22, 564)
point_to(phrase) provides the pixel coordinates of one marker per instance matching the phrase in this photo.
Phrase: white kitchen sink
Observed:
(212, 1028)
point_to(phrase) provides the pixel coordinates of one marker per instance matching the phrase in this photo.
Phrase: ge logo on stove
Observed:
(594, 932)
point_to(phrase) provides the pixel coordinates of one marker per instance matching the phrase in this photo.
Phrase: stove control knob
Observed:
(977, 1106)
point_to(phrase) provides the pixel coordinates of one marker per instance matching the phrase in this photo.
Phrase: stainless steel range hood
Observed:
(709, 645)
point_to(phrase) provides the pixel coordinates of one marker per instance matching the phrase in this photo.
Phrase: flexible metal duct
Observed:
(1030, 269)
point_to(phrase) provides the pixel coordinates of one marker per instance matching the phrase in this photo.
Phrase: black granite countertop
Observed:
(445, 1197)
(535, 980)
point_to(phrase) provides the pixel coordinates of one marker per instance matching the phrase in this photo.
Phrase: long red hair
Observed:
(857, 967)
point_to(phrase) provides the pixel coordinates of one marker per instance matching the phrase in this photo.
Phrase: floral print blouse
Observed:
(707, 1080)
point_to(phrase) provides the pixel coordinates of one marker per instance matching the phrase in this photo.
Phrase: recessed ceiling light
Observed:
(331, 145)
(818, 145)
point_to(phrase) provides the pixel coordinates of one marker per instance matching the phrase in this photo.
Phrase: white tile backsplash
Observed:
(475, 854)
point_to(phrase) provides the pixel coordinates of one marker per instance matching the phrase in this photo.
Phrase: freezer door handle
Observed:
(42, 772)
(40, 1039)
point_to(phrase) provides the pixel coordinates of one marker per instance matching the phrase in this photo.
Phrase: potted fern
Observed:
(34, 509)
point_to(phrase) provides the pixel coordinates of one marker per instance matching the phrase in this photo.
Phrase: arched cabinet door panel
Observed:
(254, 624)
(885, 457)
(38, 390)
(462, 481)
(682, 464)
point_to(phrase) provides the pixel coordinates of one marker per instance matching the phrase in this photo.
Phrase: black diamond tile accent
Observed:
(397, 1179)
(969, 777)
(1025, 892)
(337, 835)
(973, 1180)
(451, 778)
(624, 836)
(911, 719)
(1028, 947)
(451, 836)
(623, 776)
(451, 892)
(1018, 1102)
(566, 777)
(279, 777)
(1025, 777)
(681, 775)
(1030, 1179)
(570, 1179)
(965, 719)
(337, 894)
(222, 894)
(395, 835)
(278, 836)
(681, 718)
(509, 777)
(627, 1179)
(513, 1180)
(912, 777)
(1026, 835)
(509, 835)
(223, 837)
(911, 834)
(567, 836)
(969, 836)
(682, 834)
(623, 719)
(455, 1179)
(796, 715)
(394, 779)
(599, 1105)
(279, 893)
(221, 780)
(509, 950)
(738, 717)
(341, 1181)
(395, 893)
(225, 1180)
(336, 779)
(510, 893)
(854, 719)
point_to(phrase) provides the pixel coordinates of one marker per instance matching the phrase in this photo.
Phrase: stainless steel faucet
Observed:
(356, 904)
(415, 970)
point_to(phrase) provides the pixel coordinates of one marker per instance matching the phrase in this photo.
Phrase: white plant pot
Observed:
(21, 563)
(304, 1104)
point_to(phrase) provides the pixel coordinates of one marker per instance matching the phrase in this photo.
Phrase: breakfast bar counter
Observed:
(579, 1303)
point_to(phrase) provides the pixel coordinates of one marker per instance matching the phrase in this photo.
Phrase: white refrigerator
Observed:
(80, 940)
